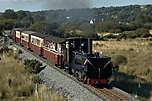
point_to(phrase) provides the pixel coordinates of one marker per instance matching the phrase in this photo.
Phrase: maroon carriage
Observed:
(25, 38)
(36, 43)
(52, 49)
(16, 35)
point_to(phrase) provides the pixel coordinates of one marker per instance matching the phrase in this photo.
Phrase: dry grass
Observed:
(16, 84)
(137, 67)
(14, 80)
(45, 95)
(138, 55)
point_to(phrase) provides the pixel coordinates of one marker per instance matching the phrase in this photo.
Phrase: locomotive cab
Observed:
(92, 69)
(99, 70)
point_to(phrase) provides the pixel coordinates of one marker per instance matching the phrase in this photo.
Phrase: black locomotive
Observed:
(93, 69)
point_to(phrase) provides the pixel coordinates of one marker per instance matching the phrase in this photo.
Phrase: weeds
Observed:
(119, 60)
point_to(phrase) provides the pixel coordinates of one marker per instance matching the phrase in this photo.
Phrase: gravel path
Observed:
(61, 83)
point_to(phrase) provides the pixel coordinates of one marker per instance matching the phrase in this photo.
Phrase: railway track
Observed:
(105, 94)
(111, 95)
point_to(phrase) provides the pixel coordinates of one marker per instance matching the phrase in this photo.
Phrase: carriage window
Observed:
(37, 42)
(32, 40)
(22, 36)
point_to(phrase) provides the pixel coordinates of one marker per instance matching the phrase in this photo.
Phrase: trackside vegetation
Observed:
(20, 83)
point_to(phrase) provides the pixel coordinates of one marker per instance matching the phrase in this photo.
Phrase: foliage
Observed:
(19, 51)
(119, 60)
(8, 24)
(5, 50)
(33, 66)
(36, 79)
(44, 27)
(9, 14)
(21, 14)
(148, 73)
(75, 22)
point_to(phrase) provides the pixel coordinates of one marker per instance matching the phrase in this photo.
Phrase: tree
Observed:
(8, 23)
(27, 20)
(21, 14)
(9, 14)
(44, 27)
(39, 17)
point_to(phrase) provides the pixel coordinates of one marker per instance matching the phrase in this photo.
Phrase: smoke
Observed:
(67, 4)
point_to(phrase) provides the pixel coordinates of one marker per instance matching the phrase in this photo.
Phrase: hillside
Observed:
(75, 22)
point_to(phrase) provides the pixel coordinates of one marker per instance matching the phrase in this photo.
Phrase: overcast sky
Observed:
(35, 5)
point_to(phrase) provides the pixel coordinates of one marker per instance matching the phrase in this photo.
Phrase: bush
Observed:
(148, 73)
(5, 49)
(36, 79)
(119, 60)
(3, 94)
(131, 49)
(150, 43)
(33, 66)
(19, 51)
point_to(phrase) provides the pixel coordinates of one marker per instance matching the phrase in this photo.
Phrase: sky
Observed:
(37, 5)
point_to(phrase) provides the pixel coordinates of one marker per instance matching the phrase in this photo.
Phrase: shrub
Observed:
(36, 79)
(3, 94)
(119, 60)
(115, 68)
(148, 73)
(33, 66)
(131, 49)
(19, 51)
(150, 44)
(5, 49)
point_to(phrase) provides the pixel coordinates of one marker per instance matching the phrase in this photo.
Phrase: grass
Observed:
(16, 84)
(134, 58)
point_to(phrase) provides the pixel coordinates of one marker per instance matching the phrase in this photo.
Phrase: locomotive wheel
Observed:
(77, 76)
(67, 70)
(80, 76)
(73, 72)
(88, 81)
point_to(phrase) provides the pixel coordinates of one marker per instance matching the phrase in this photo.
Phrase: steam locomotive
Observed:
(73, 54)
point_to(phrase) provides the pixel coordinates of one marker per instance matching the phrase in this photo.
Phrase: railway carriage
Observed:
(36, 43)
(52, 50)
(16, 35)
(25, 38)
